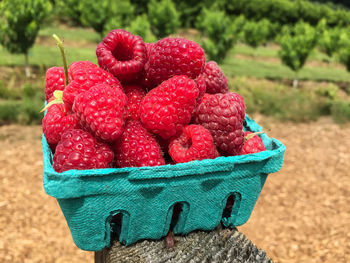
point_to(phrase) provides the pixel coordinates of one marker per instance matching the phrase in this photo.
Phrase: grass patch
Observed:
(240, 67)
(281, 102)
(271, 50)
(47, 56)
(71, 33)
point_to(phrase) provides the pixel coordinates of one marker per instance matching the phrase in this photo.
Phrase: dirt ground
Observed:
(302, 215)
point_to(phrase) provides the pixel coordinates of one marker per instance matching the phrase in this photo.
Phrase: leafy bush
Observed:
(296, 45)
(9, 111)
(340, 111)
(20, 21)
(288, 12)
(256, 33)
(344, 50)
(163, 16)
(30, 109)
(330, 91)
(105, 15)
(141, 27)
(70, 9)
(9, 93)
(218, 33)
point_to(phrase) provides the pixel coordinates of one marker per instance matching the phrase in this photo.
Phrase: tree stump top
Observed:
(220, 245)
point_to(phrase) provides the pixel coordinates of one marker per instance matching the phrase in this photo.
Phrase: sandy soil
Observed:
(302, 215)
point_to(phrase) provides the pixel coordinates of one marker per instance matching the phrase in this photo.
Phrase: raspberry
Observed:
(195, 143)
(215, 79)
(223, 115)
(252, 145)
(135, 94)
(101, 110)
(79, 150)
(165, 110)
(54, 81)
(83, 75)
(136, 147)
(173, 56)
(122, 54)
(56, 121)
(201, 87)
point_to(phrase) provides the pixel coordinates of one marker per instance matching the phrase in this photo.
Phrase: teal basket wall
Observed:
(145, 196)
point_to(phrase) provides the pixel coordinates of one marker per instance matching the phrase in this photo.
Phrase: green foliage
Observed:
(238, 26)
(344, 50)
(9, 93)
(280, 101)
(9, 111)
(218, 33)
(163, 16)
(105, 15)
(340, 111)
(71, 9)
(288, 12)
(256, 33)
(141, 27)
(296, 45)
(330, 91)
(20, 21)
(328, 38)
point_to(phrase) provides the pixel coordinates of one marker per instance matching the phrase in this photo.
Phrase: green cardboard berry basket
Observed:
(145, 196)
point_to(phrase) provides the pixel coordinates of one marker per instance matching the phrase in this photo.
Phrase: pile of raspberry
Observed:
(144, 104)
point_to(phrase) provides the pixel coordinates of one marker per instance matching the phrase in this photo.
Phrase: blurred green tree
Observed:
(296, 43)
(70, 9)
(105, 15)
(344, 49)
(20, 21)
(218, 33)
(163, 16)
(140, 26)
(328, 38)
(256, 33)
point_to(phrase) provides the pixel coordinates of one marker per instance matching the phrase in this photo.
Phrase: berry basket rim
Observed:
(274, 149)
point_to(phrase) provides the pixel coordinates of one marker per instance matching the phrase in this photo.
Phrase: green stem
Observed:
(60, 45)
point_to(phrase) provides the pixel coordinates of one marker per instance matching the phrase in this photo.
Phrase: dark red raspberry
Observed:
(215, 79)
(79, 150)
(173, 56)
(101, 110)
(195, 143)
(83, 75)
(201, 87)
(54, 81)
(137, 147)
(122, 54)
(135, 94)
(252, 145)
(223, 115)
(165, 110)
(56, 121)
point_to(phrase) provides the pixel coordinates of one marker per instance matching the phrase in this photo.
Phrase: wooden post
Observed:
(219, 245)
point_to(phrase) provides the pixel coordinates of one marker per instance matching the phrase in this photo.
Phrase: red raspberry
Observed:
(215, 79)
(54, 81)
(223, 115)
(136, 147)
(101, 110)
(252, 145)
(83, 75)
(135, 95)
(79, 150)
(166, 109)
(56, 121)
(122, 54)
(195, 143)
(173, 56)
(201, 87)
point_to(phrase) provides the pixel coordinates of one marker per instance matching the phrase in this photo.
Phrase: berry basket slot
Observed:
(139, 203)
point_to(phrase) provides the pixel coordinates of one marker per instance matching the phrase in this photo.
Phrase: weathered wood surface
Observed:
(217, 246)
